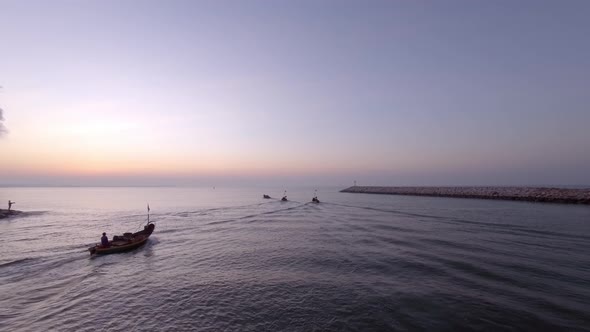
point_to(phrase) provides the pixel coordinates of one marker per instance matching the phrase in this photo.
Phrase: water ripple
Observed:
(347, 264)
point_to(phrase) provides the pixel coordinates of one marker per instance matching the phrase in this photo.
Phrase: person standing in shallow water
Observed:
(104, 240)
(10, 204)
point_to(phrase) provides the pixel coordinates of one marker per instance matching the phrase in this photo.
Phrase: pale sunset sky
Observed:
(318, 92)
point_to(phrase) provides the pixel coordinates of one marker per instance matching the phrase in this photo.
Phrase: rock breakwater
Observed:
(8, 213)
(531, 194)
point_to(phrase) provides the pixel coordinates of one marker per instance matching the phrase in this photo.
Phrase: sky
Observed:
(294, 92)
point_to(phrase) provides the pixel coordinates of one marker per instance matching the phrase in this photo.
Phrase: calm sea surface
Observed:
(225, 259)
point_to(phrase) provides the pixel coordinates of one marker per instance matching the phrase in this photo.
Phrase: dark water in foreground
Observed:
(227, 260)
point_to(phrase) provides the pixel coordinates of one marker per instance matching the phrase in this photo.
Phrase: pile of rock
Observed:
(8, 213)
(532, 194)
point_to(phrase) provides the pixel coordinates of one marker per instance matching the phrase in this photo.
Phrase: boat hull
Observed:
(116, 246)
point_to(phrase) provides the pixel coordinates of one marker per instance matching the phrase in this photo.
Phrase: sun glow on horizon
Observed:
(385, 90)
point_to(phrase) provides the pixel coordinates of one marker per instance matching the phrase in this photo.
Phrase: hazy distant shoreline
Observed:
(530, 194)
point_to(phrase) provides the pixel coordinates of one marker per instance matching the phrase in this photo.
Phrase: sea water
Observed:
(225, 259)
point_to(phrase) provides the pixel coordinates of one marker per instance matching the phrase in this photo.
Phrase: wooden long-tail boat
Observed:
(315, 197)
(125, 242)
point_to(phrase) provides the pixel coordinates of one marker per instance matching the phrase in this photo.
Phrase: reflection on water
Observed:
(227, 259)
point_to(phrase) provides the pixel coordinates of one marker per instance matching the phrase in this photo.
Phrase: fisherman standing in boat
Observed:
(104, 240)
(10, 204)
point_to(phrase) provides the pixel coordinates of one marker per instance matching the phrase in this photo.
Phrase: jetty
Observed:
(8, 213)
(530, 194)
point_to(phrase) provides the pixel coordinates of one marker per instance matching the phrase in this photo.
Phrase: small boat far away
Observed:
(315, 197)
(125, 242)
(265, 196)
(284, 199)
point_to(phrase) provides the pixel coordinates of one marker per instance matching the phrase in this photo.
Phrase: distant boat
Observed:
(125, 242)
(265, 196)
(284, 199)
(315, 197)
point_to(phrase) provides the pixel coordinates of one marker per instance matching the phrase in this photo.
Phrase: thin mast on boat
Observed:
(148, 208)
